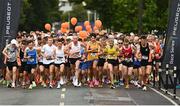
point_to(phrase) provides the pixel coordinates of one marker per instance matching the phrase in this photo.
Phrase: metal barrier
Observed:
(168, 81)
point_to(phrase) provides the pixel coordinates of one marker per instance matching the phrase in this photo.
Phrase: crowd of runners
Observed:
(103, 59)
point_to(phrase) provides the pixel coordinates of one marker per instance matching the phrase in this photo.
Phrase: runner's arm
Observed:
(5, 52)
(25, 54)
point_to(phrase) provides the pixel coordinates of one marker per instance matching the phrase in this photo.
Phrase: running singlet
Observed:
(49, 52)
(33, 56)
(145, 51)
(112, 53)
(60, 57)
(103, 56)
(127, 54)
(93, 55)
(12, 53)
(157, 50)
(75, 48)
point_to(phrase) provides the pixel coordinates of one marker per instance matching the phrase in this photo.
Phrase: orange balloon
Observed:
(78, 28)
(83, 34)
(88, 27)
(98, 23)
(63, 30)
(47, 26)
(73, 21)
(89, 30)
(86, 23)
(65, 25)
(95, 28)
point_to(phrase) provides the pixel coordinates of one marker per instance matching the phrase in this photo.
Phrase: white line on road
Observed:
(62, 96)
(108, 98)
(132, 99)
(61, 104)
(169, 99)
(63, 89)
(177, 97)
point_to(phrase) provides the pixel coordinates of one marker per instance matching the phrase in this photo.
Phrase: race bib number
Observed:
(145, 57)
(59, 59)
(31, 59)
(128, 59)
(93, 54)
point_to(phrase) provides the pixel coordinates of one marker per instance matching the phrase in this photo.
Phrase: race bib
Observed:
(31, 59)
(93, 54)
(59, 58)
(128, 59)
(145, 57)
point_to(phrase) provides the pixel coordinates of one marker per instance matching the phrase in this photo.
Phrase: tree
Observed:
(35, 13)
(78, 11)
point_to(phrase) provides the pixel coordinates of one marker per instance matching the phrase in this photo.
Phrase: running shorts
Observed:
(10, 65)
(113, 62)
(29, 67)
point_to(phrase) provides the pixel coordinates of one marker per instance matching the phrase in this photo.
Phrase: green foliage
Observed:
(35, 13)
(119, 15)
(122, 15)
(78, 11)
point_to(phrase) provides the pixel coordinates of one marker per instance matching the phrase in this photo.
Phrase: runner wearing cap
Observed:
(11, 54)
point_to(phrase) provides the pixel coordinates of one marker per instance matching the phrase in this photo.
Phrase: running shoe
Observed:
(75, 82)
(96, 83)
(100, 86)
(112, 86)
(132, 81)
(144, 88)
(61, 82)
(91, 84)
(13, 85)
(59, 85)
(135, 83)
(44, 85)
(23, 83)
(127, 86)
(121, 82)
(33, 84)
(107, 81)
(8, 84)
(4, 82)
(79, 84)
(116, 82)
(30, 86)
(139, 86)
(50, 86)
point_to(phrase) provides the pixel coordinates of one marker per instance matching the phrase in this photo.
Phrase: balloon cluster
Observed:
(78, 29)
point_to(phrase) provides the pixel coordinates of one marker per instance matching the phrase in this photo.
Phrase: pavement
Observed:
(69, 95)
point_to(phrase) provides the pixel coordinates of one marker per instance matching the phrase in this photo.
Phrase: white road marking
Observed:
(61, 104)
(132, 99)
(62, 96)
(108, 98)
(169, 99)
(177, 97)
(63, 89)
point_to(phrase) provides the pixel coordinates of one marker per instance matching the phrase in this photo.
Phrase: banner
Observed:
(172, 45)
(9, 20)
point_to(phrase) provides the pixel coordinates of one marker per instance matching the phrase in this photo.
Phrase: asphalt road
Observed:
(69, 95)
